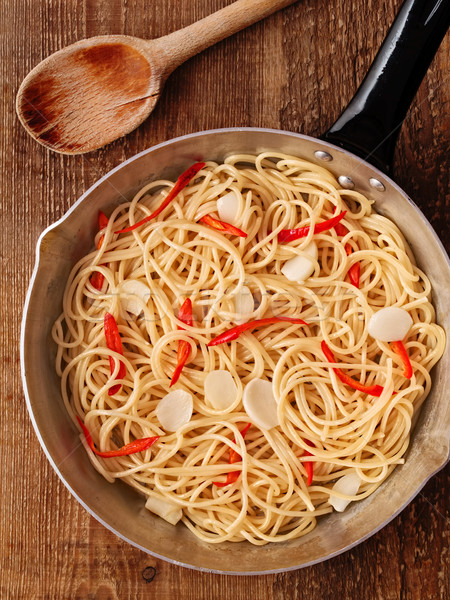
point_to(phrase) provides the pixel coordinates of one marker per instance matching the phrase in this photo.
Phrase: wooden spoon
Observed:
(101, 88)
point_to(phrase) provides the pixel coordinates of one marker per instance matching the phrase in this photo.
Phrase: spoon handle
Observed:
(180, 45)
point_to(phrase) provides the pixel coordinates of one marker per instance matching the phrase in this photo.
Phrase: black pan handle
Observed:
(370, 124)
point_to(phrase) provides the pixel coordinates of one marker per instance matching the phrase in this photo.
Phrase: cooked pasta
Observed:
(287, 473)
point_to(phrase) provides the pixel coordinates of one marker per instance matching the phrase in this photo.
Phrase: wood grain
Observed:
(296, 71)
(90, 93)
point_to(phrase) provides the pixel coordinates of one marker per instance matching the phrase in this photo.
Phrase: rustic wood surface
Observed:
(294, 71)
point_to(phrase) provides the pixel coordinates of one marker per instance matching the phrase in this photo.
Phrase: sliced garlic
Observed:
(260, 404)
(244, 305)
(163, 508)
(301, 266)
(348, 485)
(175, 410)
(390, 324)
(228, 208)
(220, 389)
(132, 294)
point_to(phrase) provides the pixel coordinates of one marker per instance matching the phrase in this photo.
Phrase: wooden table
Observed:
(294, 71)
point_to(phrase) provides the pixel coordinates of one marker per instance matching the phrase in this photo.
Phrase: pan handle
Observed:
(370, 124)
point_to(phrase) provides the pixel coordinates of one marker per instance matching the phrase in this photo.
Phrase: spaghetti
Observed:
(283, 476)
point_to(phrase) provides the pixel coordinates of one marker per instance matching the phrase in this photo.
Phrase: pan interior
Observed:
(118, 506)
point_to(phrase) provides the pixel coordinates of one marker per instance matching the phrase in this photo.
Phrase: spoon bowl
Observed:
(88, 94)
(99, 89)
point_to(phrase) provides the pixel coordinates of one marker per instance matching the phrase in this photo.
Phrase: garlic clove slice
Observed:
(228, 208)
(244, 305)
(163, 508)
(348, 485)
(132, 294)
(260, 404)
(390, 324)
(175, 410)
(301, 266)
(220, 389)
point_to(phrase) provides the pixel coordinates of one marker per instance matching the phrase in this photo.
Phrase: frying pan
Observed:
(358, 150)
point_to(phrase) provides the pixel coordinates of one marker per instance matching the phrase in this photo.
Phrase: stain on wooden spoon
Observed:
(107, 84)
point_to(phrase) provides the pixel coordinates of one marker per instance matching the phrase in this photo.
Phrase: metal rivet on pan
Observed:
(377, 185)
(322, 155)
(346, 182)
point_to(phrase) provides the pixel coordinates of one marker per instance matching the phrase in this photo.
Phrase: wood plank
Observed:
(294, 71)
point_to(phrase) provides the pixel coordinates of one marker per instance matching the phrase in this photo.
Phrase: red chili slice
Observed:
(353, 274)
(181, 183)
(97, 278)
(340, 229)
(355, 269)
(373, 390)
(114, 343)
(184, 347)
(235, 332)
(222, 226)
(233, 476)
(399, 348)
(132, 448)
(309, 466)
(289, 235)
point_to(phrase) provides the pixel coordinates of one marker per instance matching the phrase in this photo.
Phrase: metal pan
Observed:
(363, 130)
